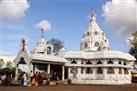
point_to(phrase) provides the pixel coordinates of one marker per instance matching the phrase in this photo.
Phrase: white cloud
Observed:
(121, 15)
(13, 9)
(45, 25)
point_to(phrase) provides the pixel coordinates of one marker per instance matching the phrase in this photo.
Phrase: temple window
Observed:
(96, 44)
(126, 71)
(119, 62)
(99, 70)
(88, 62)
(82, 62)
(96, 33)
(49, 50)
(125, 63)
(73, 61)
(22, 61)
(99, 62)
(88, 33)
(82, 70)
(110, 71)
(110, 62)
(73, 70)
(86, 45)
(88, 70)
(120, 71)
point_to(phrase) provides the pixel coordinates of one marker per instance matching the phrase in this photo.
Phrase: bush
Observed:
(46, 76)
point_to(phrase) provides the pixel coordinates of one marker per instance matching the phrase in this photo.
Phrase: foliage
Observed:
(9, 64)
(46, 75)
(1, 63)
(133, 43)
(13, 70)
(57, 44)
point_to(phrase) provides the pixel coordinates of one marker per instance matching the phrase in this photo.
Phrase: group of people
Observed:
(32, 79)
(6, 79)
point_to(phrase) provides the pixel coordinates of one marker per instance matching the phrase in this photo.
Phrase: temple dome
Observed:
(41, 46)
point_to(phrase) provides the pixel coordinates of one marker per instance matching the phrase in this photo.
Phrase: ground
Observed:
(132, 87)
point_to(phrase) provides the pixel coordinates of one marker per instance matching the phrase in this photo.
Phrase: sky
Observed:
(66, 20)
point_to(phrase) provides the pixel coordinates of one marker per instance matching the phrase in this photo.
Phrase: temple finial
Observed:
(42, 35)
(93, 16)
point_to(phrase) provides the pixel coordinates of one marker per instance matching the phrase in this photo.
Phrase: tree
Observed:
(57, 44)
(1, 63)
(9, 64)
(133, 42)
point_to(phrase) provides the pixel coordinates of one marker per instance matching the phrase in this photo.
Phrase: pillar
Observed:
(116, 73)
(105, 72)
(68, 72)
(48, 68)
(16, 73)
(63, 71)
(30, 67)
(34, 67)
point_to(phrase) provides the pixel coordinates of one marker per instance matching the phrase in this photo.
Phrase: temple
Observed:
(94, 63)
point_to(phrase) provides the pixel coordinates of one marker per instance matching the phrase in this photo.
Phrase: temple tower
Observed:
(94, 38)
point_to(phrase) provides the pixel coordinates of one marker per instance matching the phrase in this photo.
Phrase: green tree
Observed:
(57, 44)
(133, 42)
(9, 64)
(1, 63)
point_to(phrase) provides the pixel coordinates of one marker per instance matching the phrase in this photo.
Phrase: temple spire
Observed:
(93, 16)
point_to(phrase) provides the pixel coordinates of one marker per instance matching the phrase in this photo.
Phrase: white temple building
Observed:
(94, 63)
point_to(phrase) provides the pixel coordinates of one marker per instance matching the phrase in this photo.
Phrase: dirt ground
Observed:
(132, 87)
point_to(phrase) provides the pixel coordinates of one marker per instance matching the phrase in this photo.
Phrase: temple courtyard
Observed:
(131, 87)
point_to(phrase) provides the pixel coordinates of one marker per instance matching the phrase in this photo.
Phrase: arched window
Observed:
(99, 70)
(110, 62)
(120, 71)
(99, 62)
(110, 70)
(86, 45)
(96, 44)
(96, 33)
(73, 61)
(88, 33)
(74, 70)
(88, 70)
(82, 62)
(22, 61)
(88, 62)
(119, 62)
(49, 50)
(126, 71)
(125, 63)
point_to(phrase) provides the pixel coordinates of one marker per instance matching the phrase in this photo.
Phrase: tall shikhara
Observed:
(94, 38)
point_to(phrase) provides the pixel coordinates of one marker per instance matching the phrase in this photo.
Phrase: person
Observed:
(40, 80)
(3, 78)
(31, 75)
(34, 82)
(24, 79)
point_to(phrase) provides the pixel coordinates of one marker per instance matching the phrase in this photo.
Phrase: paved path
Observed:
(132, 87)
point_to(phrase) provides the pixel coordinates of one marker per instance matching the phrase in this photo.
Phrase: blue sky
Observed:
(68, 19)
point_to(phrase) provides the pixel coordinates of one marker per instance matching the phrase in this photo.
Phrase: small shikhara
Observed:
(94, 63)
